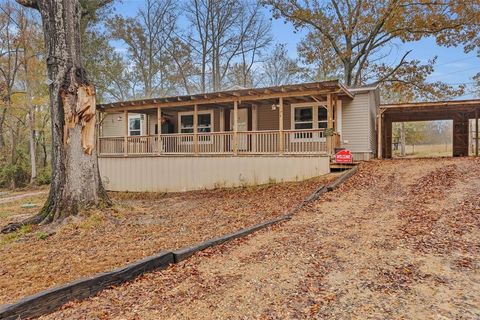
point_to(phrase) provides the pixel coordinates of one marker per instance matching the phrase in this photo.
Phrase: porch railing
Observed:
(247, 142)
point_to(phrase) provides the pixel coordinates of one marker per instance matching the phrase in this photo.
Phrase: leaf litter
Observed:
(399, 240)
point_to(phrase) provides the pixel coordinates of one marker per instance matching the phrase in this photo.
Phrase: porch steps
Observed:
(342, 166)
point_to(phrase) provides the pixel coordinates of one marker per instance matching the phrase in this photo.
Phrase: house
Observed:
(234, 137)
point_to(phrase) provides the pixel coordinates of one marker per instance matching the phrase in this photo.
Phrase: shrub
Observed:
(44, 176)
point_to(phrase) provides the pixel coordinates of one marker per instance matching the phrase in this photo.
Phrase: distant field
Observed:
(426, 150)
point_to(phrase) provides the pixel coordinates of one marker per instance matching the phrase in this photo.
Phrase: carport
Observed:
(460, 112)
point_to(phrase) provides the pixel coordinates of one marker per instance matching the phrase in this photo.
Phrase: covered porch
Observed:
(288, 120)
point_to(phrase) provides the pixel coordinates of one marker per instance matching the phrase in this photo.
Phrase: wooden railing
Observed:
(248, 142)
(111, 146)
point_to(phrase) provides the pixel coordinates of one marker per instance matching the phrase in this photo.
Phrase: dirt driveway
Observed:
(400, 240)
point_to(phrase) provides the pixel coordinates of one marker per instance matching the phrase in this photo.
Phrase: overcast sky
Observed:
(453, 65)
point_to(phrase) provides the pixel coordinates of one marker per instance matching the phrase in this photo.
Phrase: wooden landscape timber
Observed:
(48, 301)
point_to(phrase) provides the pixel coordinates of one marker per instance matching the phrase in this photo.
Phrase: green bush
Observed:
(44, 176)
(16, 175)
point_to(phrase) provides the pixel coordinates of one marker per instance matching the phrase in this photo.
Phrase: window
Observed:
(204, 125)
(303, 117)
(322, 117)
(135, 125)
(186, 124)
(307, 116)
(204, 122)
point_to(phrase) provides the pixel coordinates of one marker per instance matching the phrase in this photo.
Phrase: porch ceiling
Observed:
(224, 99)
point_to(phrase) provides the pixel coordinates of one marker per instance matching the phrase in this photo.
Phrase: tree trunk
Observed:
(31, 117)
(2, 122)
(76, 183)
(31, 138)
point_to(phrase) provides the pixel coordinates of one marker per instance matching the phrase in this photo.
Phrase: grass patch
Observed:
(17, 235)
(93, 220)
(42, 235)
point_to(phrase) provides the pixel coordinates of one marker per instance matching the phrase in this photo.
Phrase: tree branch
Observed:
(394, 70)
(28, 3)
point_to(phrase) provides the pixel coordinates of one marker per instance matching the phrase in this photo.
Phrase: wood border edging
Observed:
(343, 177)
(186, 252)
(49, 300)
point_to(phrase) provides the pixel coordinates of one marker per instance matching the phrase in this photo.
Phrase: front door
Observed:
(242, 127)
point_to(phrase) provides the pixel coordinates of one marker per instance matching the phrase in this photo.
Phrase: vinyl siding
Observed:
(357, 126)
(113, 127)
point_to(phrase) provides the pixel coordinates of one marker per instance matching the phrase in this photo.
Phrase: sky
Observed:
(453, 65)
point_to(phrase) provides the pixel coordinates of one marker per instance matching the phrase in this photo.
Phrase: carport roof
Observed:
(452, 105)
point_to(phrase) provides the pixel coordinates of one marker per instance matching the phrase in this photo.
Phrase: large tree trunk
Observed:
(76, 183)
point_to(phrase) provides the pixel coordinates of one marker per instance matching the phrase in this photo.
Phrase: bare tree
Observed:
(279, 68)
(147, 37)
(225, 32)
(256, 41)
(10, 62)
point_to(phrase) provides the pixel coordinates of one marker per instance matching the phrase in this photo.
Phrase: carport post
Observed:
(379, 135)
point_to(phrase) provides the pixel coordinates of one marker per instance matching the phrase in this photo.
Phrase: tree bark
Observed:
(2, 121)
(76, 183)
(31, 142)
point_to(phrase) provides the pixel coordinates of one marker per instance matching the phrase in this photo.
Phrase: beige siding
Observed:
(170, 174)
(356, 124)
(113, 125)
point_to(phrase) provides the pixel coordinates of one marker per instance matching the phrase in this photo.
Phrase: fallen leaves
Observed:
(138, 226)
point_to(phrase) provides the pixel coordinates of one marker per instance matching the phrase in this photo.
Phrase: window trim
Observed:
(131, 117)
(314, 105)
(207, 138)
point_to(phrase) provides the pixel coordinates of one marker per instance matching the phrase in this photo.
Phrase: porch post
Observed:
(280, 126)
(125, 133)
(235, 127)
(254, 127)
(195, 128)
(379, 135)
(329, 123)
(222, 120)
(221, 137)
(159, 130)
(476, 132)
